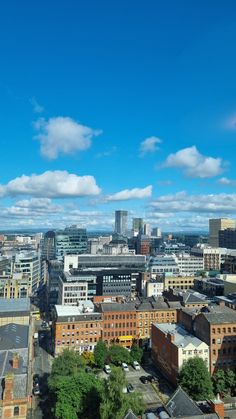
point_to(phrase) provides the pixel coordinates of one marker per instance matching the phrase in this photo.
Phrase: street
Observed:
(41, 365)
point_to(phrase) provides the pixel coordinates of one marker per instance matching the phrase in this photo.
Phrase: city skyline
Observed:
(117, 107)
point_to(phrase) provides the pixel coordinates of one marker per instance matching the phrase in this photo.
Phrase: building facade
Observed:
(71, 241)
(173, 346)
(121, 222)
(217, 224)
(76, 328)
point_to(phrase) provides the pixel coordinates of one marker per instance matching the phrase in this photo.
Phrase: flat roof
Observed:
(8, 305)
(73, 310)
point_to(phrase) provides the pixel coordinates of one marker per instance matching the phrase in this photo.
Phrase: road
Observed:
(41, 365)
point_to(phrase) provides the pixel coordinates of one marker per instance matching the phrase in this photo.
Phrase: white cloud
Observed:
(195, 164)
(227, 182)
(127, 194)
(107, 153)
(37, 108)
(63, 135)
(182, 202)
(51, 184)
(149, 145)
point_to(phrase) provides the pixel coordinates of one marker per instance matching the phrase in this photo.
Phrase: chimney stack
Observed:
(218, 407)
(8, 387)
(15, 361)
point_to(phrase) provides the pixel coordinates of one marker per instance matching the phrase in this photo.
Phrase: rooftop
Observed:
(218, 315)
(181, 405)
(14, 305)
(105, 307)
(13, 336)
(74, 310)
(182, 337)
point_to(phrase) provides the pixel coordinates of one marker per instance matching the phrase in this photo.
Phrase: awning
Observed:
(125, 337)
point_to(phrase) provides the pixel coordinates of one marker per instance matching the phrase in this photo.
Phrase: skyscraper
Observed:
(215, 225)
(121, 222)
(71, 241)
(137, 226)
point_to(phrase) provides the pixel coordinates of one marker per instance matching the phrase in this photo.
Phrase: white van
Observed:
(136, 366)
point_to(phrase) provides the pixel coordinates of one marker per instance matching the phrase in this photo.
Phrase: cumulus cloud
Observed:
(63, 135)
(227, 182)
(51, 184)
(127, 194)
(149, 145)
(195, 164)
(182, 202)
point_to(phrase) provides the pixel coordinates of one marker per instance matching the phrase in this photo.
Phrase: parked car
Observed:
(152, 379)
(107, 369)
(36, 380)
(136, 366)
(130, 388)
(124, 390)
(88, 369)
(125, 367)
(36, 391)
(144, 379)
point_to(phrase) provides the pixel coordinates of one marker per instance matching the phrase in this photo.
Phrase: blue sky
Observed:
(117, 105)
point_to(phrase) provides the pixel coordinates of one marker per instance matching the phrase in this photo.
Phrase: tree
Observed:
(115, 403)
(67, 364)
(218, 380)
(88, 358)
(195, 379)
(100, 354)
(230, 381)
(118, 354)
(136, 353)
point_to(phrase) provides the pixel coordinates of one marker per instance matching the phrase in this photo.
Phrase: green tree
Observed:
(136, 353)
(88, 358)
(118, 354)
(218, 380)
(68, 398)
(230, 381)
(195, 379)
(115, 403)
(100, 354)
(68, 363)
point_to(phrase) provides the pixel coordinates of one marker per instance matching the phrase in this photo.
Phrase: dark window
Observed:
(16, 411)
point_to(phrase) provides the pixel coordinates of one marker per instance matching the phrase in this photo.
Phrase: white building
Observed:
(162, 264)
(154, 288)
(28, 263)
(213, 257)
(188, 264)
(71, 292)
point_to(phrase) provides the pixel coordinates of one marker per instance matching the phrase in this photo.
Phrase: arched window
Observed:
(16, 411)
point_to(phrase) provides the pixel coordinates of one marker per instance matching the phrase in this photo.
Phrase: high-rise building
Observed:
(217, 224)
(71, 241)
(121, 222)
(49, 246)
(137, 226)
(227, 238)
(29, 264)
(156, 232)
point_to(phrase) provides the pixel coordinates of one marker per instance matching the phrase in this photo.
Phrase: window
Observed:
(219, 340)
(16, 411)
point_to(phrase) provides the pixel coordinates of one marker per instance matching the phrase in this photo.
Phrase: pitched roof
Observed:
(181, 405)
(130, 415)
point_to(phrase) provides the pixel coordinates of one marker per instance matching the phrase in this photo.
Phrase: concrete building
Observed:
(77, 328)
(17, 285)
(143, 244)
(213, 257)
(217, 224)
(154, 287)
(119, 323)
(227, 238)
(136, 263)
(15, 311)
(121, 222)
(5, 265)
(178, 282)
(28, 263)
(188, 264)
(71, 290)
(162, 264)
(173, 346)
(156, 232)
(71, 241)
(210, 286)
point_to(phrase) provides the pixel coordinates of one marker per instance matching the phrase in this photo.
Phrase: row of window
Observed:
(113, 334)
(224, 330)
(119, 325)
(77, 342)
(224, 351)
(195, 352)
(119, 316)
(80, 326)
(80, 333)
(156, 314)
